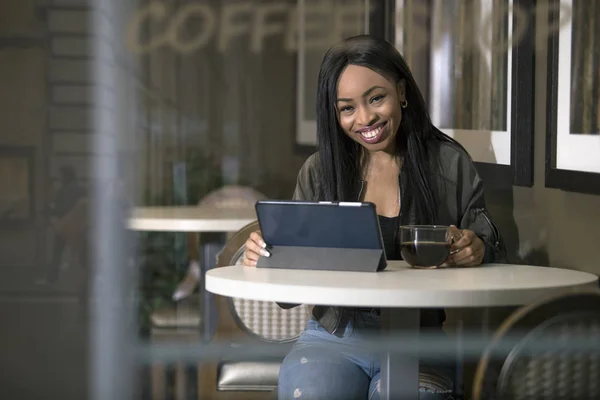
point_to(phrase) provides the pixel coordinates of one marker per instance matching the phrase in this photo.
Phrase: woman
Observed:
(377, 144)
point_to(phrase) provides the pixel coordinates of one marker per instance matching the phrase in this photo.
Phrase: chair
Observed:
(250, 321)
(183, 320)
(515, 367)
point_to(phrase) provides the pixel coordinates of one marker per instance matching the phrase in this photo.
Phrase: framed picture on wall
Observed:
(573, 120)
(480, 85)
(321, 24)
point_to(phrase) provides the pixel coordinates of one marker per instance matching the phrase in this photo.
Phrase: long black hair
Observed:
(340, 157)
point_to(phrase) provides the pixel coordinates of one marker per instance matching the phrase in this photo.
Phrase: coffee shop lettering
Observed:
(244, 20)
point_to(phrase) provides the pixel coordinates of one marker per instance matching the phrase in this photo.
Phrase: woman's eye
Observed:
(346, 109)
(377, 99)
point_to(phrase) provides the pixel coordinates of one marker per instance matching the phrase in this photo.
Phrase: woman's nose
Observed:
(365, 116)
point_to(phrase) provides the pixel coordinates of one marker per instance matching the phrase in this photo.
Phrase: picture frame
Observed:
(371, 16)
(480, 78)
(17, 180)
(573, 114)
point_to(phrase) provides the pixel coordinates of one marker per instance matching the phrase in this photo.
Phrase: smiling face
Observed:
(368, 107)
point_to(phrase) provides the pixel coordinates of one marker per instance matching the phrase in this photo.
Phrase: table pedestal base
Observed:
(210, 245)
(400, 370)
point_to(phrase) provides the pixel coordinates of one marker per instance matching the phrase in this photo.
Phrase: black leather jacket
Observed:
(461, 203)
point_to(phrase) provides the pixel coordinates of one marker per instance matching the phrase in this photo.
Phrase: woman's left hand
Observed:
(468, 251)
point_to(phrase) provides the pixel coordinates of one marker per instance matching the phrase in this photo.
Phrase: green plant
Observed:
(159, 274)
(162, 256)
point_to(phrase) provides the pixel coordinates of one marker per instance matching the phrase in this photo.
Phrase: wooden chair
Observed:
(183, 320)
(248, 321)
(512, 367)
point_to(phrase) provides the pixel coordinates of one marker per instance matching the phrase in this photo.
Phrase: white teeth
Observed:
(372, 133)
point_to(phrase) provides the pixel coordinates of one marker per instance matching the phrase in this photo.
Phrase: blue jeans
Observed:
(324, 366)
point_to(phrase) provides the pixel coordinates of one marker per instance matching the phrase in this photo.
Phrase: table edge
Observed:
(264, 291)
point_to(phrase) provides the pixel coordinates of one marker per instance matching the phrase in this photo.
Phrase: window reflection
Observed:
(475, 77)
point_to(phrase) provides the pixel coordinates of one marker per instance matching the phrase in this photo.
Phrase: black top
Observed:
(389, 233)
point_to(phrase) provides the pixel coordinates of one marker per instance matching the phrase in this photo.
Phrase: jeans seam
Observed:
(375, 390)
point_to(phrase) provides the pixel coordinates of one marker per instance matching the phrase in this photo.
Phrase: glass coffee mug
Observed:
(425, 246)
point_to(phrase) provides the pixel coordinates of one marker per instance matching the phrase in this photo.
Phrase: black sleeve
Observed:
(475, 216)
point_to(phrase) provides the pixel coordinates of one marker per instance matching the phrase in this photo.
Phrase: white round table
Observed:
(401, 287)
(190, 219)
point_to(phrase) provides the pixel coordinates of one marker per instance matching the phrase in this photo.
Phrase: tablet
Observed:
(321, 235)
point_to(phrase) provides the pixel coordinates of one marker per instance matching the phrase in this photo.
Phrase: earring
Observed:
(404, 103)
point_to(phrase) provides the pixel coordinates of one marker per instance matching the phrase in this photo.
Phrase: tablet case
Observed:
(325, 258)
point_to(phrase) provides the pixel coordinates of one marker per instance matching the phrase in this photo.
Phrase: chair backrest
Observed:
(549, 350)
(260, 319)
(232, 196)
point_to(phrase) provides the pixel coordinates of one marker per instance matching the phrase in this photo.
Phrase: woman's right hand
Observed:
(255, 247)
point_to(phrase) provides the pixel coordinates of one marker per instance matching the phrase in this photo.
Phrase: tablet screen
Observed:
(309, 224)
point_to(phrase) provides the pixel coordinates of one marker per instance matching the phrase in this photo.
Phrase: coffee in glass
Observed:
(425, 246)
